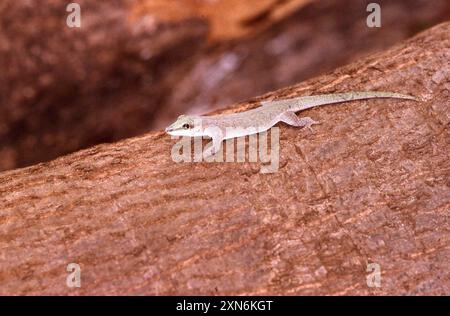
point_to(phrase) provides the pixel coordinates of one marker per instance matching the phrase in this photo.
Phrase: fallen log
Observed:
(367, 192)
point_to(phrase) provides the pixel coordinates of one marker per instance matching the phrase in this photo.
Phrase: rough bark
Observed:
(134, 65)
(371, 185)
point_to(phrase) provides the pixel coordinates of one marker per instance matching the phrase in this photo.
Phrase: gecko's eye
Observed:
(186, 126)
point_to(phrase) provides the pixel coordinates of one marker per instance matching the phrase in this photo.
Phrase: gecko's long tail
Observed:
(303, 103)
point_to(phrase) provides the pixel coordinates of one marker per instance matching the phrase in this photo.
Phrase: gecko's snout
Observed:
(170, 128)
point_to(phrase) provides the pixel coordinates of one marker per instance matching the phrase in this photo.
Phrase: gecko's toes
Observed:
(309, 123)
(208, 152)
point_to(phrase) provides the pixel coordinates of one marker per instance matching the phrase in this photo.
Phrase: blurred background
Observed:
(135, 65)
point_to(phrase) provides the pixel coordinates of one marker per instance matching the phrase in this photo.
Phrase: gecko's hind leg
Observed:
(291, 118)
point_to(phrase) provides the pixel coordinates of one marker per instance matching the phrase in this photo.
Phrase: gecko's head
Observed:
(185, 126)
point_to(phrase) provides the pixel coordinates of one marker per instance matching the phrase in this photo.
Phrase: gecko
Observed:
(225, 126)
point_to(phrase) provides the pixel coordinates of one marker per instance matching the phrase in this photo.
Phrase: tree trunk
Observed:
(135, 65)
(368, 189)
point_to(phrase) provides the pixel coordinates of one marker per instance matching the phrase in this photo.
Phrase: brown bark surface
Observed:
(371, 185)
(135, 65)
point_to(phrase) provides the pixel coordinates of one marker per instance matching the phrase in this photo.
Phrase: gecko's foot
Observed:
(308, 123)
(208, 152)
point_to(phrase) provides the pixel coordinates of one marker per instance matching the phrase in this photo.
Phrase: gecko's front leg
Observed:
(213, 149)
(217, 139)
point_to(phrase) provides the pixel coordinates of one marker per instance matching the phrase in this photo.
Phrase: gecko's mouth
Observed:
(170, 129)
(175, 131)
